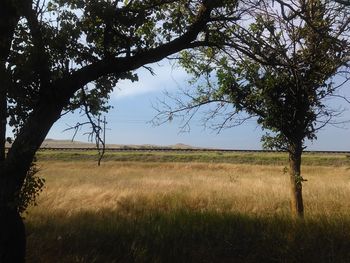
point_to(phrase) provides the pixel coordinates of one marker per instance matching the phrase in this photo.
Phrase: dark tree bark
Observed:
(297, 205)
(13, 173)
(12, 237)
(12, 232)
(8, 21)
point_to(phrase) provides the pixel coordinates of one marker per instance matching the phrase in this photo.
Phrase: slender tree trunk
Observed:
(297, 205)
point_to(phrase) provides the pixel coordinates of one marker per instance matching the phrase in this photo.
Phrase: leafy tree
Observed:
(278, 67)
(57, 56)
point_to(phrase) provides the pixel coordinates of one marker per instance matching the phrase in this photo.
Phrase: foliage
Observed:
(277, 65)
(32, 186)
(278, 68)
(64, 36)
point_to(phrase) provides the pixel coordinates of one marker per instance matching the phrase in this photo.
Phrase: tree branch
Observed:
(121, 65)
(42, 58)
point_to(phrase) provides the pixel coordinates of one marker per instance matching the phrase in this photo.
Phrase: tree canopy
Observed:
(278, 64)
(95, 43)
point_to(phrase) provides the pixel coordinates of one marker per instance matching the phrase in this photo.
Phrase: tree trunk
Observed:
(12, 232)
(297, 206)
(8, 21)
(13, 172)
(12, 237)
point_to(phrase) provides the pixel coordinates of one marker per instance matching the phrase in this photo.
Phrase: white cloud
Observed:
(166, 77)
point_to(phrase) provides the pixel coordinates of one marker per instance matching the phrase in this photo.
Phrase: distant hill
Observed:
(182, 146)
(52, 143)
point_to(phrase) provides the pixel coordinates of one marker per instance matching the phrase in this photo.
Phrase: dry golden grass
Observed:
(134, 187)
(186, 212)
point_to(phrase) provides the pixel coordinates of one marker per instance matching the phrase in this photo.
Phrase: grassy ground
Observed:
(134, 211)
(267, 158)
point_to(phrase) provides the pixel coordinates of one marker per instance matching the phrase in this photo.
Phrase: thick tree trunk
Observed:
(12, 237)
(297, 205)
(12, 231)
(8, 21)
(13, 172)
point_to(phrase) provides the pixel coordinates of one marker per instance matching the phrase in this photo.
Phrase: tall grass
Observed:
(187, 212)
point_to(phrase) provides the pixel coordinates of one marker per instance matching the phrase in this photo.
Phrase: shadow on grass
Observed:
(183, 236)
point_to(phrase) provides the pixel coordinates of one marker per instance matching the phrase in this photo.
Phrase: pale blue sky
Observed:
(128, 122)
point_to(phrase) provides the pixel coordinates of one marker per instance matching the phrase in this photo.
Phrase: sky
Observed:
(129, 122)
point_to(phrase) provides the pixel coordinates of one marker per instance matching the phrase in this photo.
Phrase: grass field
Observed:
(268, 158)
(196, 209)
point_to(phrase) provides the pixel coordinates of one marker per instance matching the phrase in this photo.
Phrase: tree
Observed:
(279, 67)
(59, 55)
(344, 2)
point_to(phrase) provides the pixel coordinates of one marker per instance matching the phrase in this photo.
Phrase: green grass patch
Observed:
(206, 157)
